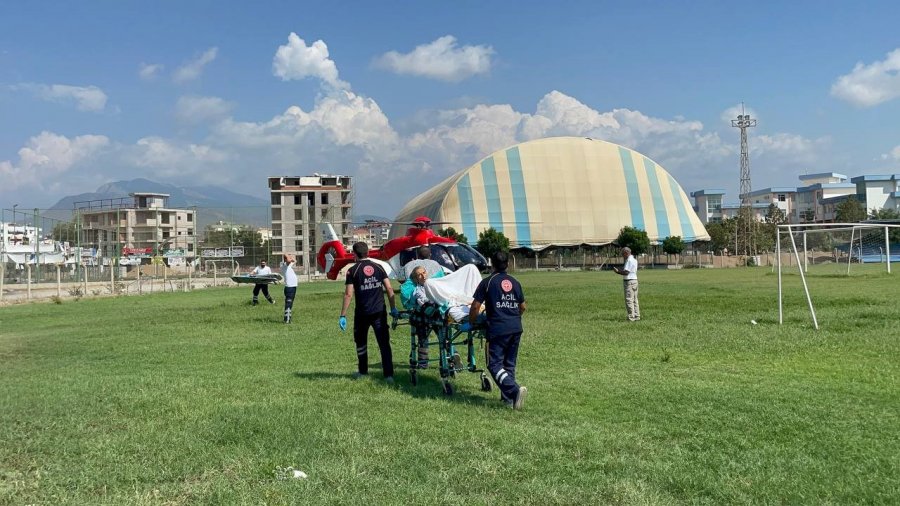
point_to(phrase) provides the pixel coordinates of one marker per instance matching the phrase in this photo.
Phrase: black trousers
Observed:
(502, 354)
(261, 287)
(379, 323)
(289, 293)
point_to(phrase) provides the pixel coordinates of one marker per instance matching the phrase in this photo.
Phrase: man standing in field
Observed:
(368, 281)
(629, 271)
(504, 304)
(290, 285)
(261, 270)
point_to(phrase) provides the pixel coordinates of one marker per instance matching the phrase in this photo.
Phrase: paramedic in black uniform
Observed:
(504, 303)
(368, 281)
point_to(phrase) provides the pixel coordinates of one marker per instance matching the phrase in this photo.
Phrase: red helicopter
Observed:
(333, 257)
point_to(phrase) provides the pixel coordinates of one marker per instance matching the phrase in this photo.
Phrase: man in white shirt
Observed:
(290, 285)
(261, 270)
(629, 272)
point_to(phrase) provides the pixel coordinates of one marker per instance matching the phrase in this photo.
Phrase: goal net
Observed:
(833, 250)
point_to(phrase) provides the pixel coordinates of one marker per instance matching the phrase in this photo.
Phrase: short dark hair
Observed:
(361, 250)
(424, 252)
(500, 261)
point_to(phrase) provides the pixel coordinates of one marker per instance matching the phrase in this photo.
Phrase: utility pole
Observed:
(37, 243)
(745, 222)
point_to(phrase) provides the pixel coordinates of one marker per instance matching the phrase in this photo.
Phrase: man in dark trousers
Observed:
(368, 281)
(504, 303)
(261, 270)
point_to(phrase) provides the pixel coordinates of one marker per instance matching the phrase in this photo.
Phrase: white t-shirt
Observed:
(261, 271)
(290, 277)
(632, 267)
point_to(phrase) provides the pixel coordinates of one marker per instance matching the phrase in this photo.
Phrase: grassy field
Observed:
(201, 398)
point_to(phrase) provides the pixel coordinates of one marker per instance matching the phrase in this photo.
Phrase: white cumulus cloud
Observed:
(441, 59)
(194, 68)
(893, 154)
(85, 98)
(295, 60)
(869, 85)
(149, 71)
(732, 113)
(47, 157)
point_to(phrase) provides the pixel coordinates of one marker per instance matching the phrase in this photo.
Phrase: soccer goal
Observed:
(831, 249)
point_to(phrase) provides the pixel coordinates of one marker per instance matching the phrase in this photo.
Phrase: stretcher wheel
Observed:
(448, 388)
(485, 383)
(413, 377)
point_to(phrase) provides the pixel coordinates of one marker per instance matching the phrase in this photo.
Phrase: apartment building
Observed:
(299, 205)
(708, 205)
(878, 191)
(142, 225)
(817, 199)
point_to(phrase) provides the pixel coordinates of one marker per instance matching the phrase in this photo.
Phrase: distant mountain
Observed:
(213, 203)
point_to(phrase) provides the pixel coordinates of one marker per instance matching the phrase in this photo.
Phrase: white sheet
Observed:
(454, 289)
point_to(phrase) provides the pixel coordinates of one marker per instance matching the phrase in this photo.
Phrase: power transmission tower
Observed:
(745, 217)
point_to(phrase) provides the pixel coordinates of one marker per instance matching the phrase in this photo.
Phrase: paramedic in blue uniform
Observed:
(504, 304)
(368, 282)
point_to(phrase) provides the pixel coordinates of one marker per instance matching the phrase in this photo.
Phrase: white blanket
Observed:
(455, 289)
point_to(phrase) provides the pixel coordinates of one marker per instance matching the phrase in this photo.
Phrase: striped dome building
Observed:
(560, 191)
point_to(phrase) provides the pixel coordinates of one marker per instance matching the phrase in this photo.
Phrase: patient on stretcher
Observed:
(452, 292)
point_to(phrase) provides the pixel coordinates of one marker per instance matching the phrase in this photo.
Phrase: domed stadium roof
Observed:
(560, 191)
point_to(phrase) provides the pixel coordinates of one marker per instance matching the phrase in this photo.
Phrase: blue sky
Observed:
(403, 94)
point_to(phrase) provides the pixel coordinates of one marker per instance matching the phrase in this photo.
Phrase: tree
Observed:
(775, 215)
(451, 233)
(885, 214)
(491, 241)
(721, 234)
(673, 245)
(64, 231)
(808, 215)
(764, 234)
(255, 248)
(850, 211)
(634, 239)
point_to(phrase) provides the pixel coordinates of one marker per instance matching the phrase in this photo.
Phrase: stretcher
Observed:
(451, 338)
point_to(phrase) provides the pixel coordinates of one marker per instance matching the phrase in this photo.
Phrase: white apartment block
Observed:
(708, 205)
(142, 225)
(299, 205)
(878, 191)
(816, 201)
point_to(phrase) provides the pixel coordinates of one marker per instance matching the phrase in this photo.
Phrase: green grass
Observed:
(200, 398)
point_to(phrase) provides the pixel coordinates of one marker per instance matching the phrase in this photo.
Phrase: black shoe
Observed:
(254, 303)
(271, 301)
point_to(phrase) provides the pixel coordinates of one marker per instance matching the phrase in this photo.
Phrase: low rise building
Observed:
(142, 225)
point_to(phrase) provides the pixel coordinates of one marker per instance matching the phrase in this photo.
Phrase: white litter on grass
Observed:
(753, 322)
(284, 473)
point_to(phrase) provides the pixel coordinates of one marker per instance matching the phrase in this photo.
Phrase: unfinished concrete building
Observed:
(299, 205)
(142, 225)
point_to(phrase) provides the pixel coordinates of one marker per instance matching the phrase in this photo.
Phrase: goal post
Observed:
(833, 249)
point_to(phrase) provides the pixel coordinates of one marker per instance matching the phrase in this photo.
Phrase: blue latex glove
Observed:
(465, 327)
(342, 323)
(394, 312)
